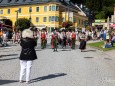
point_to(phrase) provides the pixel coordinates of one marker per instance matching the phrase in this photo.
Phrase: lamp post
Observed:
(17, 14)
(17, 17)
(30, 10)
(69, 11)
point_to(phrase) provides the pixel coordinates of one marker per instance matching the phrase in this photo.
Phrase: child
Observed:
(107, 44)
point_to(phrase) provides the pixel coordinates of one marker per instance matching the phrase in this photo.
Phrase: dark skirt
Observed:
(82, 44)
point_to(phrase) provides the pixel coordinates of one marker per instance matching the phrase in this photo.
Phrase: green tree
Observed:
(101, 8)
(22, 23)
(7, 22)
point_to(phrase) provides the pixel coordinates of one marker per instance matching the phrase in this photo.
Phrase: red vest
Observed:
(43, 35)
(53, 36)
(73, 35)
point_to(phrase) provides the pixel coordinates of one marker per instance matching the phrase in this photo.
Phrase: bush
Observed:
(22, 23)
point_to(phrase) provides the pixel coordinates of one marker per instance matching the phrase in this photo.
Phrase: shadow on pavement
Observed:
(108, 58)
(8, 59)
(89, 51)
(8, 55)
(66, 50)
(48, 77)
(88, 57)
(2, 82)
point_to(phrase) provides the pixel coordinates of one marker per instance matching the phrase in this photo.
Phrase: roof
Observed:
(7, 3)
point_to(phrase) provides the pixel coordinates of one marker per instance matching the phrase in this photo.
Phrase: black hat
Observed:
(43, 28)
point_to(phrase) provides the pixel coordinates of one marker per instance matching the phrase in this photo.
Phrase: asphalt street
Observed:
(66, 67)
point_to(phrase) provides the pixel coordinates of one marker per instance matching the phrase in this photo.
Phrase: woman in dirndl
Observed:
(82, 42)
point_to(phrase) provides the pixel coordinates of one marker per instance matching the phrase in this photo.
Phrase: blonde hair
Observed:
(27, 33)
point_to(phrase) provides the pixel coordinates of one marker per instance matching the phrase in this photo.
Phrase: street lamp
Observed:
(69, 11)
(30, 10)
(17, 14)
(17, 11)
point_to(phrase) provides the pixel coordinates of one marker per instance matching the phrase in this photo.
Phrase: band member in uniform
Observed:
(73, 38)
(52, 40)
(55, 39)
(46, 33)
(43, 38)
(64, 39)
(68, 34)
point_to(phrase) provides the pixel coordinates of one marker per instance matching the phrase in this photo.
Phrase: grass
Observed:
(99, 45)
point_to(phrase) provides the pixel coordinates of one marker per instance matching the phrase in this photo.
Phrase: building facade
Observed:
(42, 13)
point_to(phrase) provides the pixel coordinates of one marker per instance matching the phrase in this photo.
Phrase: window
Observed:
(70, 18)
(16, 0)
(50, 18)
(1, 11)
(57, 8)
(63, 19)
(9, 1)
(45, 19)
(1, 1)
(45, 8)
(37, 19)
(50, 8)
(37, 9)
(79, 21)
(53, 18)
(83, 22)
(53, 8)
(30, 9)
(74, 20)
(19, 10)
(56, 18)
(8, 11)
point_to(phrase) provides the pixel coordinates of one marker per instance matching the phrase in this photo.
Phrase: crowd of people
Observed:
(28, 40)
(13, 37)
(63, 38)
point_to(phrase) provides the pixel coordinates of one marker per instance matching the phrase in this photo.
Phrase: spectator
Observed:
(107, 44)
(113, 40)
(27, 55)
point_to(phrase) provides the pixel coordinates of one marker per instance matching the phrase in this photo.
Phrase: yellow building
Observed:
(42, 13)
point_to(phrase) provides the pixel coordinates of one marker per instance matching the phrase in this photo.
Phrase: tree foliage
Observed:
(100, 8)
(22, 23)
(7, 22)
